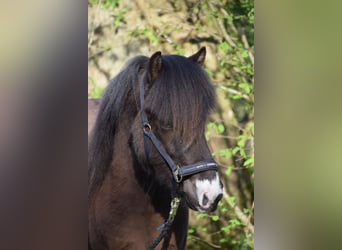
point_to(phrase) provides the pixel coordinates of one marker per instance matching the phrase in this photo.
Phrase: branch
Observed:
(92, 29)
(206, 242)
(229, 39)
(250, 215)
(246, 45)
(242, 217)
(243, 38)
(90, 57)
(225, 136)
(233, 91)
(222, 28)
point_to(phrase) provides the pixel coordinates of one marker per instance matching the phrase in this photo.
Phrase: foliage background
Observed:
(121, 29)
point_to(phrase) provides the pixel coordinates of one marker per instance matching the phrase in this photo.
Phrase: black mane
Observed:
(100, 145)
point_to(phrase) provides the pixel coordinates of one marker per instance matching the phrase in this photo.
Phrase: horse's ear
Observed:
(155, 65)
(199, 57)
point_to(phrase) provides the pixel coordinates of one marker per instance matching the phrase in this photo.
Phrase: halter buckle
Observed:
(178, 178)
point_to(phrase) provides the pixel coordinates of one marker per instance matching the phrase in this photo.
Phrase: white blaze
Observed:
(210, 188)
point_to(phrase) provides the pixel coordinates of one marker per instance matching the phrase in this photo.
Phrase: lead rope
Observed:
(164, 228)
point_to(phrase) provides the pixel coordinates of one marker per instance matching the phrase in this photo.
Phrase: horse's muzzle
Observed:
(203, 195)
(207, 205)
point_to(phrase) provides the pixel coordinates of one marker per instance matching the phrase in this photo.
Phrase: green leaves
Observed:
(146, 33)
(149, 34)
(246, 87)
(226, 229)
(119, 16)
(249, 162)
(235, 222)
(96, 91)
(104, 4)
(215, 217)
(202, 216)
(218, 127)
(228, 171)
(231, 200)
(226, 153)
(224, 46)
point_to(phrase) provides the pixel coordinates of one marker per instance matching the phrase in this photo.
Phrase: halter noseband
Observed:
(178, 172)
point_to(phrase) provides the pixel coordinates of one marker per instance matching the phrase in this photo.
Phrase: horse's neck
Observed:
(127, 208)
(125, 160)
(129, 175)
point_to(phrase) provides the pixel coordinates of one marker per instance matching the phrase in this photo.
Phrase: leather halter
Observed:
(178, 172)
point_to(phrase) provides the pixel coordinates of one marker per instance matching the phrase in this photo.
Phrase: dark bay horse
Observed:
(130, 183)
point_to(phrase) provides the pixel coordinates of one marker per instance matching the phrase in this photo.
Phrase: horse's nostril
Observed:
(218, 198)
(205, 200)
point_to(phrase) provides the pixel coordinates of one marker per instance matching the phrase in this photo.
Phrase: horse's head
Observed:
(176, 98)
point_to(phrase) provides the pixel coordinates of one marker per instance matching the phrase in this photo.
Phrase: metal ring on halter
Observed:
(147, 127)
(177, 176)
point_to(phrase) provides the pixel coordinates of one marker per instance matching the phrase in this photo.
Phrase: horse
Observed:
(147, 146)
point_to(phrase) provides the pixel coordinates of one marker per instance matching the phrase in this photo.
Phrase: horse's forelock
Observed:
(182, 94)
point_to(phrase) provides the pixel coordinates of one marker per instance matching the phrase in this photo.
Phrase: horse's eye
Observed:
(166, 126)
